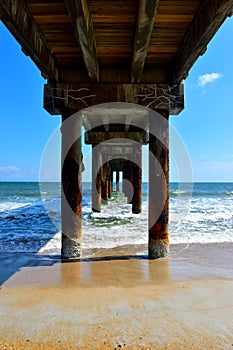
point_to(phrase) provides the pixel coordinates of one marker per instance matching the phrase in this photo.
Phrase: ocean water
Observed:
(30, 217)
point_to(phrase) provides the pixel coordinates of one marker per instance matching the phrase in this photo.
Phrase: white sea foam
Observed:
(206, 221)
(204, 218)
(53, 246)
(7, 206)
(229, 193)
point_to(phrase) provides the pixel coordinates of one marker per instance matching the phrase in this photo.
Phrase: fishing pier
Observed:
(115, 68)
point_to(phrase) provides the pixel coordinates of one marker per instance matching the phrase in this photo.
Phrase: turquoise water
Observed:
(30, 217)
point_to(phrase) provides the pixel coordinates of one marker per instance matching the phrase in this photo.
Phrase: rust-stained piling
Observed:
(71, 193)
(124, 186)
(130, 178)
(105, 185)
(109, 181)
(117, 181)
(158, 186)
(128, 181)
(137, 180)
(96, 179)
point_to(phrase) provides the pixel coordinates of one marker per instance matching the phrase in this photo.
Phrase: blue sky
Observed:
(205, 125)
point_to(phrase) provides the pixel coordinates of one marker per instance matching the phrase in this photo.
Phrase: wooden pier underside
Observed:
(117, 41)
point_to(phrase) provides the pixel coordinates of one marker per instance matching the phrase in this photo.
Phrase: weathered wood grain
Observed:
(20, 22)
(75, 97)
(144, 27)
(207, 20)
(118, 41)
(83, 29)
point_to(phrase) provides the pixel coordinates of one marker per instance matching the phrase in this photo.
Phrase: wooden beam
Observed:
(144, 26)
(115, 137)
(117, 150)
(84, 33)
(116, 75)
(19, 21)
(209, 17)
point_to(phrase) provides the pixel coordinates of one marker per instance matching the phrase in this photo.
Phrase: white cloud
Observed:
(208, 78)
(9, 168)
(9, 171)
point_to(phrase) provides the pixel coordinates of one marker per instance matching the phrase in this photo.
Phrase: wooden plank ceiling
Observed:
(152, 41)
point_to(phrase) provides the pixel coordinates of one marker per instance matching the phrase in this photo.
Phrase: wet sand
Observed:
(183, 302)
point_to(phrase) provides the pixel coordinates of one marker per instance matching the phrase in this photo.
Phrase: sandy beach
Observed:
(183, 302)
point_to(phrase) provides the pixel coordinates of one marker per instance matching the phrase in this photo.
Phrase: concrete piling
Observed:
(117, 181)
(137, 180)
(158, 186)
(71, 193)
(105, 182)
(96, 179)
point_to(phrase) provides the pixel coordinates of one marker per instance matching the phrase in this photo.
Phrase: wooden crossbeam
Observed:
(92, 137)
(144, 26)
(84, 33)
(75, 97)
(19, 21)
(205, 24)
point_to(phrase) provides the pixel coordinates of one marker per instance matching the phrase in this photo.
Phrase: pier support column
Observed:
(130, 179)
(71, 192)
(110, 181)
(117, 181)
(96, 179)
(124, 189)
(137, 180)
(107, 185)
(104, 188)
(158, 186)
(127, 181)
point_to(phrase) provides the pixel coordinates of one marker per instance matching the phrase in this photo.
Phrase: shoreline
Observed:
(127, 250)
(121, 301)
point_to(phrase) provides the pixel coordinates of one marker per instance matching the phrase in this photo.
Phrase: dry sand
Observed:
(183, 302)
